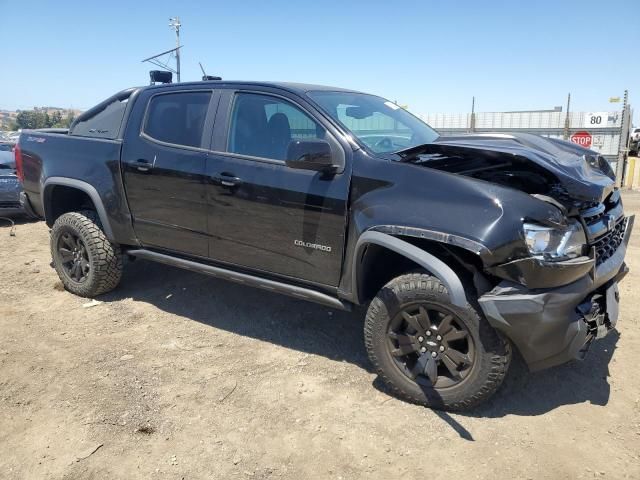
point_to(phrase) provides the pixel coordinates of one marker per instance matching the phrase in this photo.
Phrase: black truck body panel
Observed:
(308, 232)
(165, 187)
(280, 203)
(71, 154)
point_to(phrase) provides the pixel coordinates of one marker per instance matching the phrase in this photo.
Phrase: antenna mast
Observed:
(165, 76)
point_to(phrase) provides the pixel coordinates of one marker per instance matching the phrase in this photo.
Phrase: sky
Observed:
(432, 55)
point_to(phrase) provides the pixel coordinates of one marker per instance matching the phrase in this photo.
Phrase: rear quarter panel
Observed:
(46, 156)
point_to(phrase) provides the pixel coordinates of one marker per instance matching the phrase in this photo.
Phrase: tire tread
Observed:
(107, 267)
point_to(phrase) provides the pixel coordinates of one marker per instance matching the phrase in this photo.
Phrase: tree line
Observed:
(38, 119)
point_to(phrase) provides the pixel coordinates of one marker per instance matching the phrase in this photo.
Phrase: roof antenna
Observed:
(206, 77)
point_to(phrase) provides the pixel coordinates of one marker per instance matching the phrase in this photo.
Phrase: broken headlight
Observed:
(548, 243)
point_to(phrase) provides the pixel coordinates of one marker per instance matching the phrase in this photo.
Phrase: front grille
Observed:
(605, 225)
(593, 212)
(607, 244)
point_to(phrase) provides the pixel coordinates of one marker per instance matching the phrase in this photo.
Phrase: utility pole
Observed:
(165, 75)
(472, 124)
(567, 122)
(174, 22)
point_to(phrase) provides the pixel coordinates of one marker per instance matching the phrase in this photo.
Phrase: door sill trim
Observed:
(242, 278)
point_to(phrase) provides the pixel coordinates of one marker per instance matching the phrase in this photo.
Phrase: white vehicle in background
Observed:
(634, 141)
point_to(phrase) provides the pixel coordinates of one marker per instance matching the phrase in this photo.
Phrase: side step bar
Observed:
(243, 278)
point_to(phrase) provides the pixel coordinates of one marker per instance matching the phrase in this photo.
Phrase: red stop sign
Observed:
(583, 139)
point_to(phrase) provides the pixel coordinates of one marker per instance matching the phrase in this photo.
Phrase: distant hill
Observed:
(8, 117)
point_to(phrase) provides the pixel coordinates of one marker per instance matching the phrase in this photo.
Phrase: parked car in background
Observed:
(634, 142)
(460, 247)
(10, 187)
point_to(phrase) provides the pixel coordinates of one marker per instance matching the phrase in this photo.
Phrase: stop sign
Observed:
(583, 138)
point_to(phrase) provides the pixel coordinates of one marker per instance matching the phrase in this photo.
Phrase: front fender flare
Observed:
(429, 262)
(86, 188)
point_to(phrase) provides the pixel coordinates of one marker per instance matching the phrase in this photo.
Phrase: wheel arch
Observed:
(73, 195)
(413, 254)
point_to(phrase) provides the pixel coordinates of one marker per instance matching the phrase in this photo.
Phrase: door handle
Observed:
(226, 179)
(142, 165)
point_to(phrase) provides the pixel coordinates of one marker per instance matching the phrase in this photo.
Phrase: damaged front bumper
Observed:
(554, 325)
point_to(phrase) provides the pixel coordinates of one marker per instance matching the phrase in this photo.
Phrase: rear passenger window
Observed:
(178, 118)
(104, 124)
(263, 126)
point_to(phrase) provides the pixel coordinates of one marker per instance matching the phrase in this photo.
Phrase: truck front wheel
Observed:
(429, 351)
(86, 262)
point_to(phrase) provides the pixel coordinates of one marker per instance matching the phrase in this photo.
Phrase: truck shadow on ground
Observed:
(318, 330)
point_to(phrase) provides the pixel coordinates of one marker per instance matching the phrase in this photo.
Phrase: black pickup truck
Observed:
(462, 248)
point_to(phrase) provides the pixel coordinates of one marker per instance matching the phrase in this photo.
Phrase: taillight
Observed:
(18, 156)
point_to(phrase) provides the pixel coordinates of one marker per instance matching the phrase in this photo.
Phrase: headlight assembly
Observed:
(548, 243)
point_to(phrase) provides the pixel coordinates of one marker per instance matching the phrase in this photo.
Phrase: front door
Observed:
(264, 215)
(164, 164)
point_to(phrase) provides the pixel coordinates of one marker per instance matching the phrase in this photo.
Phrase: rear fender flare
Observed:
(429, 262)
(84, 187)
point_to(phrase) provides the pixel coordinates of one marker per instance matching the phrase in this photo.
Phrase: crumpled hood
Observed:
(583, 173)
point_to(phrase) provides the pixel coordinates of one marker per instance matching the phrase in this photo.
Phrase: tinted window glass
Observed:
(178, 118)
(104, 124)
(263, 126)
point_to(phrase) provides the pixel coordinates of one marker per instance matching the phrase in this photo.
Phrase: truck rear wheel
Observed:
(429, 351)
(86, 262)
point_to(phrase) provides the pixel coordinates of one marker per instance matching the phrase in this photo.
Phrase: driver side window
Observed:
(263, 126)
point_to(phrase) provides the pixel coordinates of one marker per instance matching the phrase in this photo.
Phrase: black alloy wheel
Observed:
(431, 346)
(74, 257)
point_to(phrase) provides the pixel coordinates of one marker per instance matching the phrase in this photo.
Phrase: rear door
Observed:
(164, 165)
(264, 215)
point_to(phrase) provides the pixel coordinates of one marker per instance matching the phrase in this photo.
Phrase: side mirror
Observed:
(310, 155)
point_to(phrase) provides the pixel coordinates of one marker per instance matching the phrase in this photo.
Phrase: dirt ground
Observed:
(176, 375)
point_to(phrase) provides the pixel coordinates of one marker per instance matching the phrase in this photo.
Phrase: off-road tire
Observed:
(105, 258)
(492, 351)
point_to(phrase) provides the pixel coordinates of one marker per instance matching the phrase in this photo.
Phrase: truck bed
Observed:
(95, 162)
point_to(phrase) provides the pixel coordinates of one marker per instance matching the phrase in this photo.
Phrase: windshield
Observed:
(381, 125)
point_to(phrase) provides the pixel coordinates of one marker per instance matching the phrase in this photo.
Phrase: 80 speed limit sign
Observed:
(595, 119)
(601, 120)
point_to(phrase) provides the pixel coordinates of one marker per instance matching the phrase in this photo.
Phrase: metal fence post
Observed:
(622, 146)
(567, 121)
